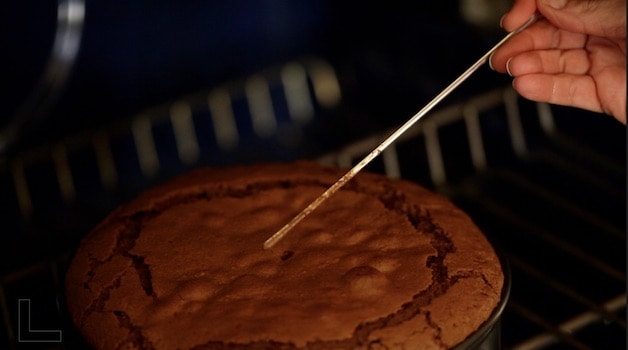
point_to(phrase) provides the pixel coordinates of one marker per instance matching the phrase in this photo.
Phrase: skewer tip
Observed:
(268, 244)
(272, 240)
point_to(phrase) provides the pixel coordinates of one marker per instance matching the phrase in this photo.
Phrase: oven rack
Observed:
(550, 200)
(54, 194)
(547, 309)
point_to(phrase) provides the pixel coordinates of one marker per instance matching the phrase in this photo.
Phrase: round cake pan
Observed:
(488, 336)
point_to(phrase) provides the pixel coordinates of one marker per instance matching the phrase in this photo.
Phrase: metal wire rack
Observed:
(52, 195)
(554, 207)
(550, 197)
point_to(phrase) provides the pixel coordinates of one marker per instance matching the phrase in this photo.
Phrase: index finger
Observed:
(540, 36)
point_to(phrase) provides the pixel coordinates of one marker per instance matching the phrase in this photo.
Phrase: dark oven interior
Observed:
(151, 90)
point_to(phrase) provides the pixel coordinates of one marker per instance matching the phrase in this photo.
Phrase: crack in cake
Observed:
(382, 264)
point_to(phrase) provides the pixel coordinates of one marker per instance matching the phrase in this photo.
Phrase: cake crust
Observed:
(382, 263)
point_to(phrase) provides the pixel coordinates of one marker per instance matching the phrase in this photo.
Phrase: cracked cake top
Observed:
(382, 262)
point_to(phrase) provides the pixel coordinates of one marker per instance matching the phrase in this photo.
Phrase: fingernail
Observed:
(508, 66)
(556, 4)
(490, 61)
(501, 22)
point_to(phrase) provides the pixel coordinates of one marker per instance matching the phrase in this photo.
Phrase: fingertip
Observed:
(508, 67)
(490, 61)
(516, 84)
(521, 85)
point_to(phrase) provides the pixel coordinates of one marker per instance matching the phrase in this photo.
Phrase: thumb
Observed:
(605, 18)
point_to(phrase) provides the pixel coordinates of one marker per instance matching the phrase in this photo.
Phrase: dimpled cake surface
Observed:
(381, 264)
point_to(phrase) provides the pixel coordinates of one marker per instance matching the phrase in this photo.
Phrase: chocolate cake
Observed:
(381, 264)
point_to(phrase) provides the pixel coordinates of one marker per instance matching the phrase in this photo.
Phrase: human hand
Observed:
(574, 56)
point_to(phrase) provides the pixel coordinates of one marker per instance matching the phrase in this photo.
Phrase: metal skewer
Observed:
(270, 242)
